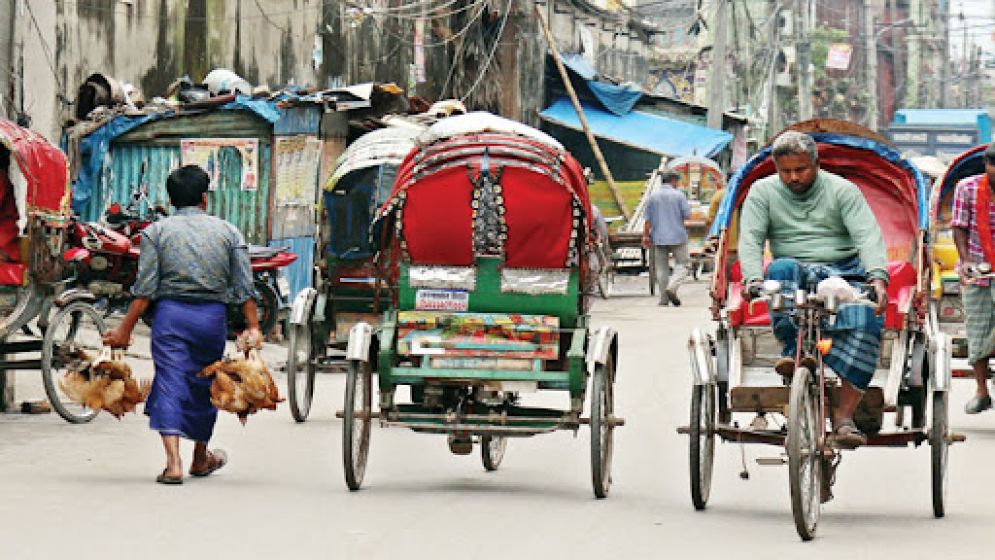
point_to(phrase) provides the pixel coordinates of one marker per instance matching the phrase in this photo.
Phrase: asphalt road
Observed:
(87, 492)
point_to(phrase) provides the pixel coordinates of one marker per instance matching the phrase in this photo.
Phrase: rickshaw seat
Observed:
(901, 289)
(12, 274)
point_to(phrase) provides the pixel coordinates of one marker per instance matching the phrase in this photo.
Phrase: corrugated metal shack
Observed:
(144, 157)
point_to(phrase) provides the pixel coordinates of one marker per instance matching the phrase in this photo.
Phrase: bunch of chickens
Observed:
(103, 382)
(242, 385)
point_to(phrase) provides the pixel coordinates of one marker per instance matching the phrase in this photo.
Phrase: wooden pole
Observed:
(580, 115)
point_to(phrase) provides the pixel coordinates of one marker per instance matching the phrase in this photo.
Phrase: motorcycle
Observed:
(104, 256)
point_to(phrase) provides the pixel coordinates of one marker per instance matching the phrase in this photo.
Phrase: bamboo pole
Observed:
(580, 115)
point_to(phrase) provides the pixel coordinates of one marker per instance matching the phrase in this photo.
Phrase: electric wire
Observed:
(490, 57)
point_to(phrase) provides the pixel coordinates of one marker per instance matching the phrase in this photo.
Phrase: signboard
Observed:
(442, 300)
(839, 56)
(943, 142)
(214, 155)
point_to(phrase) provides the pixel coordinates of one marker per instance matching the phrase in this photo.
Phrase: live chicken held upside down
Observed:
(242, 386)
(102, 384)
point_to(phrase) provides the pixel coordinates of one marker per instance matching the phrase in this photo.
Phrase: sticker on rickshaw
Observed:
(442, 300)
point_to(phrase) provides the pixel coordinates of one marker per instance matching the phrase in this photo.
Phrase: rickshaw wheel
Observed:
(356, 430)
(492, 450)
(300, 370)
(702, 448)
(77, 325)
(939, 448)
(602, 432)
(804, 454)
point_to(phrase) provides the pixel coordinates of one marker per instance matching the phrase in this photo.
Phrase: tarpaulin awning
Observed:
(619, 99)
(643, 131)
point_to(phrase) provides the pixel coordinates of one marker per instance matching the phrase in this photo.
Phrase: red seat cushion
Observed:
(12, 274)
(901, 288)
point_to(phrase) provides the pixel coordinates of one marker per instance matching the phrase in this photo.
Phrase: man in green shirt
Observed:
(818, 225)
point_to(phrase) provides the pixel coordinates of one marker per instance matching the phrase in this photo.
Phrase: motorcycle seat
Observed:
(264, 252)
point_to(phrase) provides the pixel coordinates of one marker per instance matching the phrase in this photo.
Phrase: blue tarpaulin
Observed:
(618, 99)
(643, 131)
(94, 147)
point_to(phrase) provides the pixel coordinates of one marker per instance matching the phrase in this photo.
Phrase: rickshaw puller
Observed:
(192, 264)
(818, 225)
(974, 240)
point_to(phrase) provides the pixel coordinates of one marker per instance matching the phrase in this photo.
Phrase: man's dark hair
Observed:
(186, 186)
(669, 177)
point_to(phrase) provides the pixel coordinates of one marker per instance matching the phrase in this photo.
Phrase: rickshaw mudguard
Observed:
(602, 347)
(699, 352)
(300, 310)
(941, 350)
(360, 340)
(388, 345)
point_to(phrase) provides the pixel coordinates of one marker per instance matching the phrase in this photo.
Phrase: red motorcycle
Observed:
(104, 256)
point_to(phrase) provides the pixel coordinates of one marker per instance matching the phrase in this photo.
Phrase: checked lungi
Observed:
(856, 331)
(979, 306)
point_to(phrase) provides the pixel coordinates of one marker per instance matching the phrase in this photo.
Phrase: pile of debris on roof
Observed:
(372, 105)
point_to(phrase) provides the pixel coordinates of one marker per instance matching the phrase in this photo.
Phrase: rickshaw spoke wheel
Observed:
(939, 448)
(300, 370)
(602, 432)
(356, 427)
(492, 450)
(702, 449)
(77, 326)
(804, 454)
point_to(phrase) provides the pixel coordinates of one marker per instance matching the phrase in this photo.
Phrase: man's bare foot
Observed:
(209, 462)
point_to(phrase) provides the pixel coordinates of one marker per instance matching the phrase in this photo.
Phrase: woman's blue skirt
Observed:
(186, 337)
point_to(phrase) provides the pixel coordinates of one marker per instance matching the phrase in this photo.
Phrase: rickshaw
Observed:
(699, 177)
(344, 290)
(946, 307)
(483, 247)
(40, 320)
(733, 372)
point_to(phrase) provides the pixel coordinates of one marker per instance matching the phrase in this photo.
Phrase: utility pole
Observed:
(773, 110)
(871, 54)
(965, 69)
(803, 58)
(717, 81)
(945, 56)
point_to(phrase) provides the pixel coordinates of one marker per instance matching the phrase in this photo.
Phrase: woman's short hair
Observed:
(186, 186)
(793, 143)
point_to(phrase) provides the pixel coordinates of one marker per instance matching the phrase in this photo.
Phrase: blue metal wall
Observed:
(122, 175)
(299, 273)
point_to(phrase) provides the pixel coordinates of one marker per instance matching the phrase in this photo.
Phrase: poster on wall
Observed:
(297, 160)
(215, 154)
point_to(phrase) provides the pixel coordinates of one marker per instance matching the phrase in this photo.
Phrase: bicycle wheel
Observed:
(492, 450)
(356, 427)
(804, 454)
(939, 448)
(77, 326)
(602, 436)
(702, 450)
(300, 370)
